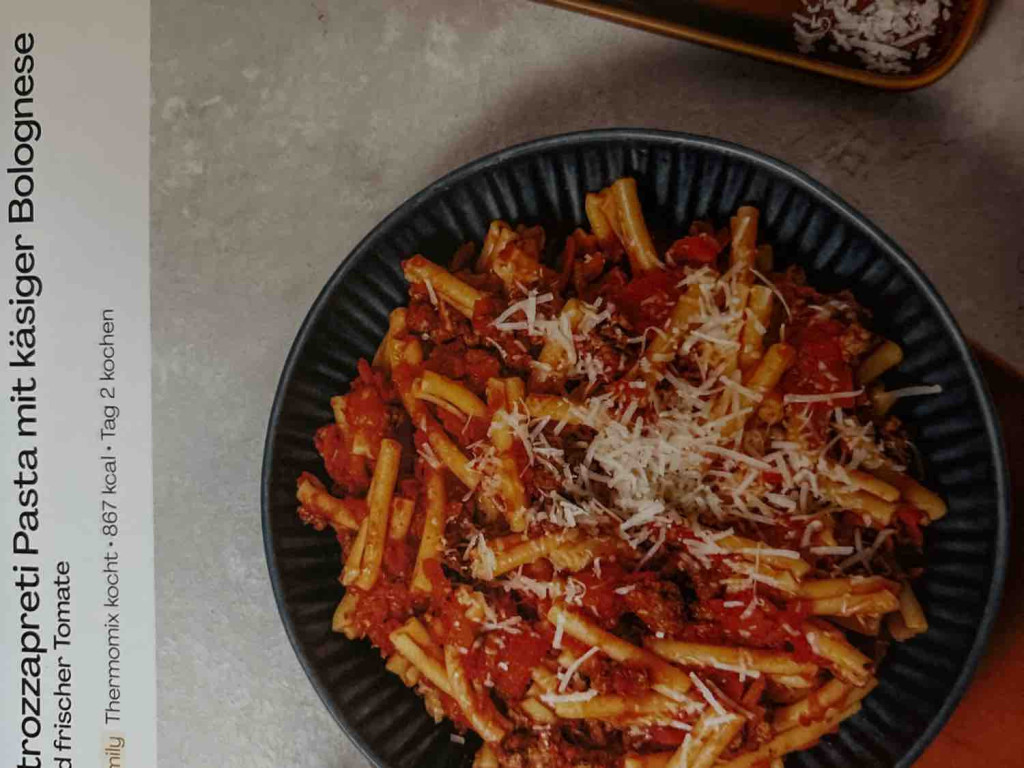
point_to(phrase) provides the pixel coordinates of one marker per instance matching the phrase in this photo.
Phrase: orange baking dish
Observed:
(775, 29)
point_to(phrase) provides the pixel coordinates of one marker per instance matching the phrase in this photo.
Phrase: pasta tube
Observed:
(460, 295)
(379, 501)
(432, 541)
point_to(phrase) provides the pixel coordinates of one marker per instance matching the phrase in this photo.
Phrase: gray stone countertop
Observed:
(283, 130)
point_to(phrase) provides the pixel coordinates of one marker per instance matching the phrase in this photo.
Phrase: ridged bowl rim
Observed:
(678, 140)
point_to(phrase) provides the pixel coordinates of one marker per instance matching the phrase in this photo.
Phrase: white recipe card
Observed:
(76, 601)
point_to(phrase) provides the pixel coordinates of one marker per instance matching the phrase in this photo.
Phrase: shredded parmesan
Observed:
(742, 671)
(780, 501)
(720, 720)
(814, 525)
(567, 698)
(430, 291)
(571, 670)
(788, 553)
(556, 642)
(885, 35)
(428, 455)
(708, 696)
(918, 391)
(528, 307)
(831, 550)
(865, 555)
(742, 458)
(507, 625)
(545, 590)
(484, 560)
(825, 398)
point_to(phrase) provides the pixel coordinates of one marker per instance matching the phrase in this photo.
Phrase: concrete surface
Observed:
(283, 130)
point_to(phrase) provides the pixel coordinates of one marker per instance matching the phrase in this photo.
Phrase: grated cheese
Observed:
(426, 452)
(825, 398)
(574, 591)
(884, 34)
(737, 456)
(542, 589)
(708, 696)
(484, 560)
(865, 555)
(720, 720)
(831, 550)
(650, 553)
(923, 389)
(747, 392)
(528, 307)
(571, 670)
(814, 525)
(676, 696)
(780, 501)
(771, 287)
(430, 291)
(742, 671)
(788, 553)
(567, 698)
(506, 625)
(556, 642)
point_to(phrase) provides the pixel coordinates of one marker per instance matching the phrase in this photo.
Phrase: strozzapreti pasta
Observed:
(625, 505)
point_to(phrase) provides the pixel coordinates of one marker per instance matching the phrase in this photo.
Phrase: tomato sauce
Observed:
(473, 367)
(367, 414)
(508, 658)
(762, 627)
(647, 301)
(452, 625)
(600, 599)
(464, 430)
(911, 518)
(728, 682)
(668, 737)
(349, 472)
(816, 708)
(819, 368)
(382, 610)
(399, 559)
(699, 250)
(439, 583)
(658, 604)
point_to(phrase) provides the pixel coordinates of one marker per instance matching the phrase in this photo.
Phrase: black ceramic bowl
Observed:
(680, 178)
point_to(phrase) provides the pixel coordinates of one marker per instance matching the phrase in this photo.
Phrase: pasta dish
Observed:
(619, 504)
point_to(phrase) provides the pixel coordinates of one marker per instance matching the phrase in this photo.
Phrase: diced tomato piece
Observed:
(646, 301)
(670, 737)
(910, 518)
(697, 250)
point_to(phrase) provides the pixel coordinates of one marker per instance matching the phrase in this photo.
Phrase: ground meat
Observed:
(470, 366)
(855, 341)
(607, 676)
(658, 604)
(895, 443)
